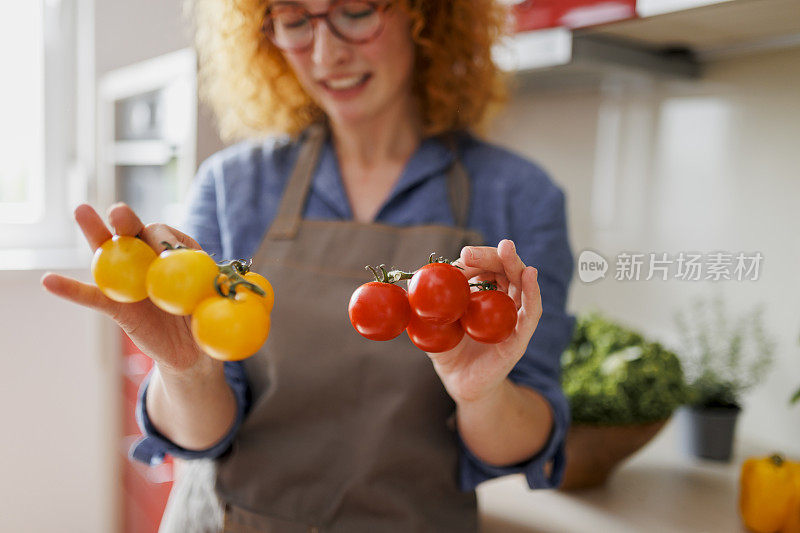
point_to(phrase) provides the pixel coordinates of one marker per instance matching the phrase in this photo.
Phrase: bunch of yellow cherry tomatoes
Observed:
(229, 305)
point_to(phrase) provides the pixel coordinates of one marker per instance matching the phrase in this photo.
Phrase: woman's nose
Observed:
(328, 49)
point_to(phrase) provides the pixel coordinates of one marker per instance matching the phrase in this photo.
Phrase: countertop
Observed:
(661, 489)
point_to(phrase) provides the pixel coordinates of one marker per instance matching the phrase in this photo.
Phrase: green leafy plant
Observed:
(723, 358)
(613, 376)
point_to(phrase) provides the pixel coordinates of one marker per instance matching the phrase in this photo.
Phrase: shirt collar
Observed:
(431, 158)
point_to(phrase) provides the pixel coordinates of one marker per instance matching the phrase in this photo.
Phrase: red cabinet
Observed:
(145, 489)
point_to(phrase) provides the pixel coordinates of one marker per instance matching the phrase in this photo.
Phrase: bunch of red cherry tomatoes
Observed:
(229, 305)
(436, 311)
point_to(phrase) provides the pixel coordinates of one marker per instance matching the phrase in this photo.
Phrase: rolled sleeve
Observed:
(541, 237)
(475, 471)
(153, 446)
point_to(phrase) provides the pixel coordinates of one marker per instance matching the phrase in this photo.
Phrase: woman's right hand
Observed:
(166, 338)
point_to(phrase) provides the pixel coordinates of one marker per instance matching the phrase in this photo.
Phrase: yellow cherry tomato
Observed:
(178, 280)
(228, 329)
(119, 268)
(268, 300)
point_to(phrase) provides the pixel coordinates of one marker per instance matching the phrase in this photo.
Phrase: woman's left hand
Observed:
(472, 371)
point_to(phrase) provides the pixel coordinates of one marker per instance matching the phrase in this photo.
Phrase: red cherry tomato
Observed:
(491, 316)
(434, 338)
(438, 293)
(379, 311)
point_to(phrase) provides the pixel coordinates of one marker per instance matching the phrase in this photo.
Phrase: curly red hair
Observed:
(253, 91)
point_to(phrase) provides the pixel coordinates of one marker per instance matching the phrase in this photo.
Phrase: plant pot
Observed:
(708, 431)
(594, 451)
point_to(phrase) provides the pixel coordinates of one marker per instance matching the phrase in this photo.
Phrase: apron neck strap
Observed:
(290, 211)
(458, 190)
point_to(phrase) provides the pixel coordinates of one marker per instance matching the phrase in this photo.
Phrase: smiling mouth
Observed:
(343, 84)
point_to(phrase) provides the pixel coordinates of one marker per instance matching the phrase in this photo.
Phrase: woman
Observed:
(323, 430)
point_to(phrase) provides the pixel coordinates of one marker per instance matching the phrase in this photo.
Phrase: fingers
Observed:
(480, 258)
(79, 293)
(521, 283)
(185, 239)
(528, 317)
(499, 279)
(512, 264)
(502, 261)
(502, 283)
(531, 310)
(157, 234)
(92, 226)
(469, 272)
(121, 218)
(124, 220)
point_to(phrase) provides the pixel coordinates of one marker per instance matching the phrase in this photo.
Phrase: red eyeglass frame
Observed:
(268, 29)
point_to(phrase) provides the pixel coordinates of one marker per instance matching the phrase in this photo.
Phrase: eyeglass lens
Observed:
(290, 25)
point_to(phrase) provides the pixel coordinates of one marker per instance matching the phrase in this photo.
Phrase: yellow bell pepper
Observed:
(767, 494)
(792, 524)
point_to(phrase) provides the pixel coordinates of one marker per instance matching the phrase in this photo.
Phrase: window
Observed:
(22, 109)
(39, 112)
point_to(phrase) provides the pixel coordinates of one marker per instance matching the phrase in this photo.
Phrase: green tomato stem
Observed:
(485, 285)
(168, 246)
(390, 276)
(235, 269)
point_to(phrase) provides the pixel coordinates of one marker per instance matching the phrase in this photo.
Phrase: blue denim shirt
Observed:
(235, 197)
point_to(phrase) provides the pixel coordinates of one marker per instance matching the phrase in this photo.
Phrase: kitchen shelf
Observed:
(711, 30)
(673, 44)
(554, 59)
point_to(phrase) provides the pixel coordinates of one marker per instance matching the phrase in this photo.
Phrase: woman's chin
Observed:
(348, 117)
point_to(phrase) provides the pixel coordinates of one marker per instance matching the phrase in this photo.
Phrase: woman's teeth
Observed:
(345, 83)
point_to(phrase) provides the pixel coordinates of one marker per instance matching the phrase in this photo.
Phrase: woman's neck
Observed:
(392, 137)
(372, 155)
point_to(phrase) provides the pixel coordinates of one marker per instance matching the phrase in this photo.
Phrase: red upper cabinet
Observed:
(540, 14)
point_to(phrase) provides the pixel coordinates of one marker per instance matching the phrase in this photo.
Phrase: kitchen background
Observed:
(650, 163)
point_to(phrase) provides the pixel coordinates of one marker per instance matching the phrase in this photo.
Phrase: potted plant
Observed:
(723, 359)
(622, 389)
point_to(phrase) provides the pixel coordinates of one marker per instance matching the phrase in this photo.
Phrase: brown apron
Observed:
(345, 434)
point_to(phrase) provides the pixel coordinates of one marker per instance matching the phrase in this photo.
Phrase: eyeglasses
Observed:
(290, 26)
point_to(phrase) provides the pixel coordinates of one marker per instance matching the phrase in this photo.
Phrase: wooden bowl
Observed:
(593, 452)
